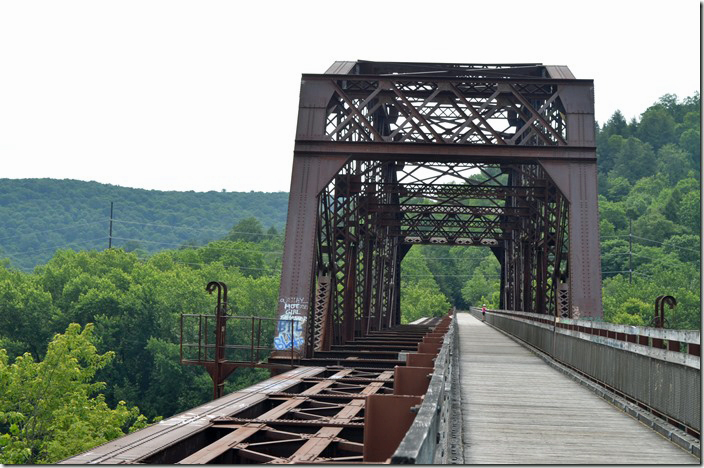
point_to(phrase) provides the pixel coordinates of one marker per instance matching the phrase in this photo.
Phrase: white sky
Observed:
(203, 95)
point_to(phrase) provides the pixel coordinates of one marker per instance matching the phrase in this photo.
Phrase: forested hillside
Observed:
(649, 195)
(38, 216)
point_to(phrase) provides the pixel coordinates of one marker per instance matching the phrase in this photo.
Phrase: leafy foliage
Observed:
(661, 162)
(49, 409)
(483, 286)
(135, 304)
(420, 293)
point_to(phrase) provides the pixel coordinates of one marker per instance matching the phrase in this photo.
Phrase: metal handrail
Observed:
(257, 350)
(428, 439)
(643, 335)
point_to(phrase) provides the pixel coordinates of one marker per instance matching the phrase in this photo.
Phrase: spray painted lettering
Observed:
(289, 334)
(290, 328)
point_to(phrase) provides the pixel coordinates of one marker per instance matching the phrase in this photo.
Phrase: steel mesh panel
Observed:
(669, 388)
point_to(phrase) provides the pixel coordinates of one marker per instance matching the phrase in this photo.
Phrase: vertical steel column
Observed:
(309, 177)
(578, 181)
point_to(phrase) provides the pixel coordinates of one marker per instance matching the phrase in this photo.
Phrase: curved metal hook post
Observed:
(217, 373)
(660, 302)
(222, 295)
(669, 300)
(656, 318)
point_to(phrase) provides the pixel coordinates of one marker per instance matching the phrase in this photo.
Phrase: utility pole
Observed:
(110, 236)
(630, 251)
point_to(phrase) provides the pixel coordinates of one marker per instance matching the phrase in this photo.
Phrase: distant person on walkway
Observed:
(484, 312)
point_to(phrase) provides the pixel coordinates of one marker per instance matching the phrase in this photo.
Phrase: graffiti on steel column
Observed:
(290, 328)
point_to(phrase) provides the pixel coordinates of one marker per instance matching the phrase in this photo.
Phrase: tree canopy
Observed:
(51, 409)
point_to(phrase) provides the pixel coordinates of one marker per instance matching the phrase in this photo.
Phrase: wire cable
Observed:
(652, 240)
(667, 245)
(626, 253)
(171, 226)
(627, 271)
(198, 247)
(52, 230)
(272, 270)
(450, 276)
(56, 247)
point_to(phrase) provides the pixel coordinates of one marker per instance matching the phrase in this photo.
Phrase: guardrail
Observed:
(430, 439)
(246, 341)
(657, 369)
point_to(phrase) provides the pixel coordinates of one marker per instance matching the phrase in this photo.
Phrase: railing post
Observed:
(200, 336)
(259, 337)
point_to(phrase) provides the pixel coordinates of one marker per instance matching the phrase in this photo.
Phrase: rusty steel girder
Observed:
(388, 155)
(354, 411)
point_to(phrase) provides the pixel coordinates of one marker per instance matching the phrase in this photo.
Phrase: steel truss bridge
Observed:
(389, 155)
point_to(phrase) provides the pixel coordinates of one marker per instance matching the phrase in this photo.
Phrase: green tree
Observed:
(25, 314)
(636, 205)
(634, 160)
(248, 230)
(51, 409)
(483, 287)
(657, 126)
(606, 228)
(663, 274)
(674, 163)
(418, 301)
(420, 293)
(687, 248)
(239, 253)
(656, 225)
(690, 141)
(74, 214)
(617, 187)
(632, 312)
(443, 263)
(614, 256)
(608, 144)
(615, 213)
(616, 125)
(688, 211)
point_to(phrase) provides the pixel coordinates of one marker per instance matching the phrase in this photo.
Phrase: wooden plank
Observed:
(517, 409)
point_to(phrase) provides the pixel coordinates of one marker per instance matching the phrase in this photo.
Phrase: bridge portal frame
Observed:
(395, 113)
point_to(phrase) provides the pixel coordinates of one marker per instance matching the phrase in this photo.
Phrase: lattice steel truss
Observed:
(389, 155)
(482, 111)
(372, 212)
(358, 253)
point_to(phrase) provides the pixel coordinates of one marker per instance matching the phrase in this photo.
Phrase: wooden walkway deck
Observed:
(518, 410)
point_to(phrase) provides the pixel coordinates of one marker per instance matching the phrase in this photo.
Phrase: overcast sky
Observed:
(203, 95)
